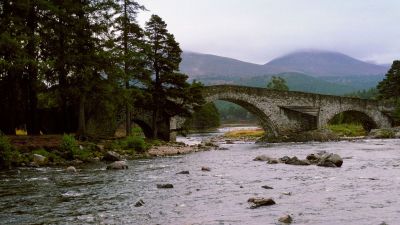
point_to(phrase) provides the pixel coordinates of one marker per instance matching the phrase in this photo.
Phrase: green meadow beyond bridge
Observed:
(285, 112)
(282, 112)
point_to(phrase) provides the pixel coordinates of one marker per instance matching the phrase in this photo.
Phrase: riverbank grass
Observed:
(258, 133)
(347, 130)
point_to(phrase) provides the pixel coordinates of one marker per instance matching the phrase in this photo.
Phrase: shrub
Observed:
(134, 142)
(136, 131)
(8, 155)
(69, 144)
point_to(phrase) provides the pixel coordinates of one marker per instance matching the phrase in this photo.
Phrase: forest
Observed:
(66, 65)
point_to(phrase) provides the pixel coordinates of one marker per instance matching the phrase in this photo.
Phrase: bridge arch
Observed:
(351, 116)
(267, 124)
(146, 128)
(370, 119)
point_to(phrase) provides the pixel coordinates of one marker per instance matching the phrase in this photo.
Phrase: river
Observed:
(365, 190)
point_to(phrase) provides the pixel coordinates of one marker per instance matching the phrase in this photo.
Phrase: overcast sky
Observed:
(260, 30)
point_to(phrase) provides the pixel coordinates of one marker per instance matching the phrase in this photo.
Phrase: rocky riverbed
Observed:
(181, 189)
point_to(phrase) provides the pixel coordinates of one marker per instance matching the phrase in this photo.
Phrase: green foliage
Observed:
(69, 144)
(389, 87)
(170, 92)
(397, 113)
(347, 130)
(137, 131)
(278, 84)
(8, 155)
(84, 61)
(371, 93)
(233, 113)
(134, 142)
(206, 117)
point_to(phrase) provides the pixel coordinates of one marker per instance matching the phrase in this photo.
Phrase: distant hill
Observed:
(323, 64)
(314, 63)
(204, 65)
(310, 71)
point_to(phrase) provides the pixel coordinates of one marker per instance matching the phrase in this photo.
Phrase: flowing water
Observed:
(365, 190)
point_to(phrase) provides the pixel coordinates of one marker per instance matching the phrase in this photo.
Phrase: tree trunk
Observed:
(32, 71)
(81, 133)
(156, 107)
(126, 71)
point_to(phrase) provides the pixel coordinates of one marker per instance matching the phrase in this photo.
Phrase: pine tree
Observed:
(129, 48)
(171, 94)
(389, 87)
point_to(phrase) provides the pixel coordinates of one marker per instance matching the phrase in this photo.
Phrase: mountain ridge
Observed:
(316, 63)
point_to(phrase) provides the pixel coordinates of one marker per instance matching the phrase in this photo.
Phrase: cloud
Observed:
(260, 30)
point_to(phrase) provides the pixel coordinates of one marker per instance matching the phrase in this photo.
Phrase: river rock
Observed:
(284, 159)
(267, 187)
(258, 202)
(117, 165)
(112, 156)
(229, 142)
(39, 159)
(328, 160)
(313, 158)
(262, 158)
(71, 169)
(183, 172)
(285, 219)
(295, 161)
(382, 133)
(204, 168)
(273, 161)
(164, 186)
(139, 203)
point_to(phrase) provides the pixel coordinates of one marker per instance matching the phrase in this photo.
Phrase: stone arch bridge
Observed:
(282, 112)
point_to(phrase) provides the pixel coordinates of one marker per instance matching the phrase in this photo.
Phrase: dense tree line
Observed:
(76, 60)
(371, 93)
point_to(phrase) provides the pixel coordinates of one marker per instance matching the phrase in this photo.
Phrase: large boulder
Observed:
(330, 160)
(39, 159)
(112, 156)
(117, 165)
(70, 169)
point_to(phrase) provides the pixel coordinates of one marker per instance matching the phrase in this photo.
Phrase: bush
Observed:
(136, 143)
(69, 144)
(137, 131)
(8, 155)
